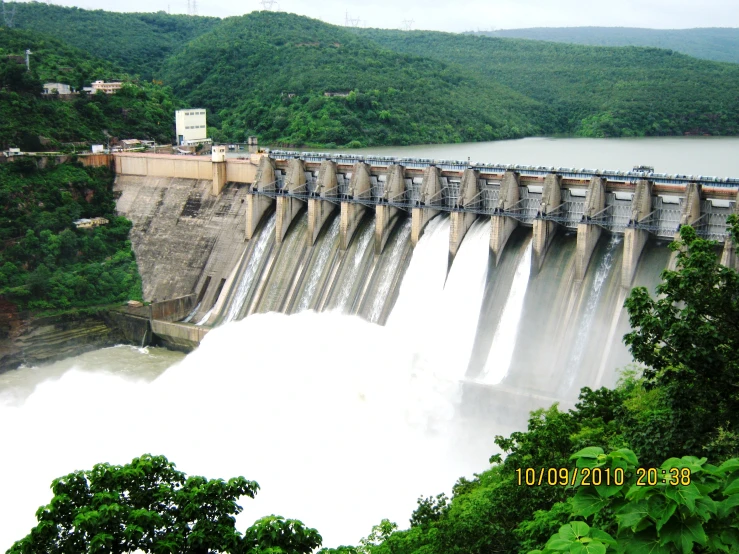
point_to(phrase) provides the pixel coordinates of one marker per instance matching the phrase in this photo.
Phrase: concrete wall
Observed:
(178, 336)
(636, 239)
(185, 167)
(544, 230)
(502, 226)
(181, 233)
(240, 171)
(587, 233)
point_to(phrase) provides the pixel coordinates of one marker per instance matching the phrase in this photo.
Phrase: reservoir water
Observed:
(333, 414)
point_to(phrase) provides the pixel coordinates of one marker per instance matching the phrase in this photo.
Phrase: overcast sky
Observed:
(465, 15)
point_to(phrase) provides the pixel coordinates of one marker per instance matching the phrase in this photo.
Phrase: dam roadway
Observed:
(290, 231)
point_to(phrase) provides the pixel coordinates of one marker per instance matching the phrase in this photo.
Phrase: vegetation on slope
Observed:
(590, 91)
(718, 43)
(266, 74)
(138, 43)
(140, 110)
(45, 261)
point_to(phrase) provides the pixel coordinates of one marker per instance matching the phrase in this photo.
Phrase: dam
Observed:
(525, 269)
(316, 403)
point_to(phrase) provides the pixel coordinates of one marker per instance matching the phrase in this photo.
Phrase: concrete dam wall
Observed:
(513, 278)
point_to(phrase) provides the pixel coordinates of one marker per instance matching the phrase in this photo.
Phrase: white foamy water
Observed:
(387, 273)
(332, 235)
(355, 263)
(460, 302)
(506, 334)
(206, 317)
(424, 279)
(250, 272)
(588, 316)
(338, 441)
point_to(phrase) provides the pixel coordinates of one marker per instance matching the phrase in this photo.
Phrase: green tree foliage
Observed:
(45, 261)
(591, 91)
(718, 43)
(689, 339)
(266, 74)
(682, 506)
(140, 110)
(138, 43)
(151, 506)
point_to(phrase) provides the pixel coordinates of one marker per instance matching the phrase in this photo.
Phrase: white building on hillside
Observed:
(191, 129)
(107, 88)
(61, 88)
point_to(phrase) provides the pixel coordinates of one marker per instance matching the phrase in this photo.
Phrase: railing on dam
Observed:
(457, 165)
(615, 211)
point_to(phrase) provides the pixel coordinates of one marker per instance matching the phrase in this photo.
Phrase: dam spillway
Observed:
(510, 278)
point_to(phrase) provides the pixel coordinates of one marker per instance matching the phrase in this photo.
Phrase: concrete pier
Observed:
(462, 221)
(430, 192)
(502, 226)
(544, 230)
(728, 256)
(327, 186)
(258, 204)
(218, 157)
(635, 239)
(387, 216)
(691, 213)
(289, 206)
(351, 213)
(589, 233)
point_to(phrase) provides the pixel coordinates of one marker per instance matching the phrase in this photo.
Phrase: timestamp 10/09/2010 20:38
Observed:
(596, 476)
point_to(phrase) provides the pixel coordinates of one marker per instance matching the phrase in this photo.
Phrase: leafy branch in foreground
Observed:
(686, 505)
(151, 506)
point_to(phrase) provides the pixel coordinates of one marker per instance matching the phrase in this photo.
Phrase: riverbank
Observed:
(28, 338)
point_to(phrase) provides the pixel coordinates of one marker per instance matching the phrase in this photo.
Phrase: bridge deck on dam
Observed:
(476, 189)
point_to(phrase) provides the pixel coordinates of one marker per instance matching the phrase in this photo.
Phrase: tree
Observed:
(151, 506)
(689, 338)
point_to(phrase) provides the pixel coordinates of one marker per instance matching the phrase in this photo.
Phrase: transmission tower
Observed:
(192, 7)
(269, 4)
(351, 22)
(8, 15)
(408, 24)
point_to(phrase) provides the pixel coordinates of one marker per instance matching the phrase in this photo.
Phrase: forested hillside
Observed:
(137, 42)
(718, 44)
(591, 91)
(266, 73)
(140, 110)
(45, 262)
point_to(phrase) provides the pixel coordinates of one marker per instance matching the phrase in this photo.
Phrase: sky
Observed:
(464, 15)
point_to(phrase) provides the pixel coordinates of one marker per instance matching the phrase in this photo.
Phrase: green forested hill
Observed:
(592, 91)
(140, 110)
(137, 42)
(266, 73)
(717, 43)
